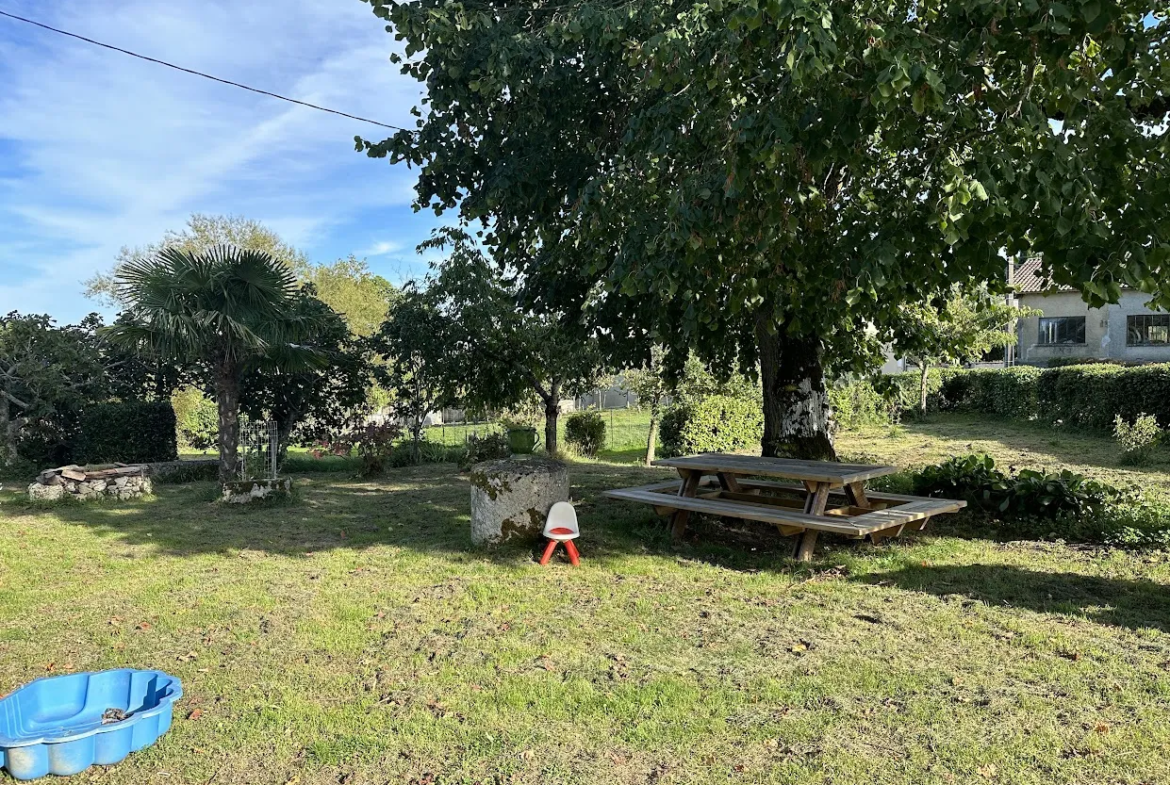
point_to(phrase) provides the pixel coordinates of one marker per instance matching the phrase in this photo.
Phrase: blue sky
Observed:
(99, 150)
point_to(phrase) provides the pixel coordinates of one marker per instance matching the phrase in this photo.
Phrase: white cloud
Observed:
(99, 150)
(383, 248)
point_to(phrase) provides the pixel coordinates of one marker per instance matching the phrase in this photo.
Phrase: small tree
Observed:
(503, 349)
(225, 310)
(960, 325)
(650, 385)
(416, 346)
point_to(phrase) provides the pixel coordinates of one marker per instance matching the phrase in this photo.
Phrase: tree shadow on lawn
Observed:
(1042, 445)
(1134, 604)
(424, 509)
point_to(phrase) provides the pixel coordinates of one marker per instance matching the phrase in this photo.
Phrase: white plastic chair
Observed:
(561, 527)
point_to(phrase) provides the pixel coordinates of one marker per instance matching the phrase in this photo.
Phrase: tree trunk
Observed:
(796, 402)
(651, 437)
(227, 398)
(552, 410)
(922, 388)
(7, 433)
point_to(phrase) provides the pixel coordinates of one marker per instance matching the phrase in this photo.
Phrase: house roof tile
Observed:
(1029, 278)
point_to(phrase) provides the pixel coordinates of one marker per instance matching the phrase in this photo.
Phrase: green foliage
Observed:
(1084, 396)
(717, 423)
(1064, 362)
(376, 444)
(201, 234)
(196, 418)
(187, 471)
(1023, 494)
(839, 161)
(490, 447)
(859, 404)
(408, 454)
(1137, 440)
(127, 432)
(225, 310)
(585, 432)
(349, 288)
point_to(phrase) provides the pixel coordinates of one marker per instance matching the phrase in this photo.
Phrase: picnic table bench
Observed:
(808, 497)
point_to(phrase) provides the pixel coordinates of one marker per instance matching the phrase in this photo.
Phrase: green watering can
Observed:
(522, 441)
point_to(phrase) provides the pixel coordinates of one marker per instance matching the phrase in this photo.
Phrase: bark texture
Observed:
(7, 432)
(552, 411)
(651, 438)
(796, 402)
(227, 394)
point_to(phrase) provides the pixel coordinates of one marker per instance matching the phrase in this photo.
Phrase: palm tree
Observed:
(224, 310)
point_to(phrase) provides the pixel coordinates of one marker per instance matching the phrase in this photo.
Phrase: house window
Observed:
(1148, 329)
(1062, 330)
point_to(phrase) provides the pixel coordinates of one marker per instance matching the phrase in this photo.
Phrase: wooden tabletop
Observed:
(813, 471)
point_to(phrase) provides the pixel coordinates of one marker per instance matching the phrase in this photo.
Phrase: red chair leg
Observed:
(574, 557)
(548, 552)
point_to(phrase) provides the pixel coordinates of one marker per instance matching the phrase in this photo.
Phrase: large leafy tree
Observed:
(47, 374)
(759, 182)
(503, 350)
(352, 290)
(224, 311)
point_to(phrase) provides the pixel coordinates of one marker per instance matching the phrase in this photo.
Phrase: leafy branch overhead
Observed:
(762, 180)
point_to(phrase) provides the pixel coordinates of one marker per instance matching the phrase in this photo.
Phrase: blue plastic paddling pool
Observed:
(64, 724)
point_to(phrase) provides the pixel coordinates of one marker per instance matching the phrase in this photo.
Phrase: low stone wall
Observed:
(121, 488)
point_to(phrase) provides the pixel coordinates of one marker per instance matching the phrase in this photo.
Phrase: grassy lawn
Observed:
(355, 637)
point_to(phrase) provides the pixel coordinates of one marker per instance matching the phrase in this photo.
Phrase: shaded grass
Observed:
(357, 636)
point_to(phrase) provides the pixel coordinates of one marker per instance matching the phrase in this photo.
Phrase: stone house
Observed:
(1127, 330)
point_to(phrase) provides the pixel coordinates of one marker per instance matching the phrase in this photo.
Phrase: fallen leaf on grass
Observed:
(988, 771)
(195, 714)
(143, 625)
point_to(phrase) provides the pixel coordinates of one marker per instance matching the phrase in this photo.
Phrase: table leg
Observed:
(818, 499)
(728, 482)
(855, 493)
(689, 487)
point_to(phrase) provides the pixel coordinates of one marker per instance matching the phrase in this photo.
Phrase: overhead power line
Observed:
(201, 74)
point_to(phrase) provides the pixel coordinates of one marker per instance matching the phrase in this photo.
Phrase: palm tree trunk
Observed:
(227, 397)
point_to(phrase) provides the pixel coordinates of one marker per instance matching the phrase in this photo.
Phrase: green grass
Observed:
(356, 636)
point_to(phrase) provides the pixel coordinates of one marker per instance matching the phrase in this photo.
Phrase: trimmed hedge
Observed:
(1087, 396)
(716, 423)
(127, 432)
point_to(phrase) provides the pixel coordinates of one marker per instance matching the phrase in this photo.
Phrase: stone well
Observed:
(510, 499)
(248, 491)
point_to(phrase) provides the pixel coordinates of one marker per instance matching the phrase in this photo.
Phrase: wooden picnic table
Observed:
(811, 497)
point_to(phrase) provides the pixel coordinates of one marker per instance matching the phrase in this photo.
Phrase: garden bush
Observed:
(127, 432)
(860, 404)
(1137, 440)
(491, 447)
(1063, 505)
(717, 423)
(196, 418)
(585, 432)
(375, 446)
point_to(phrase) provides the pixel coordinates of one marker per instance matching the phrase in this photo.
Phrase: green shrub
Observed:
(492, 447)
(717, 423)
(403, 454)
(1028, 493)
(1137, 440)
(196, 418)
(585, 432)
(127, 432)
(860, 404)
(374, 444)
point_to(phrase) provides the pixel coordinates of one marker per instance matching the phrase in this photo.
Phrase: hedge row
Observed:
(716, 423)
(1086, 396)
(128, 432)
